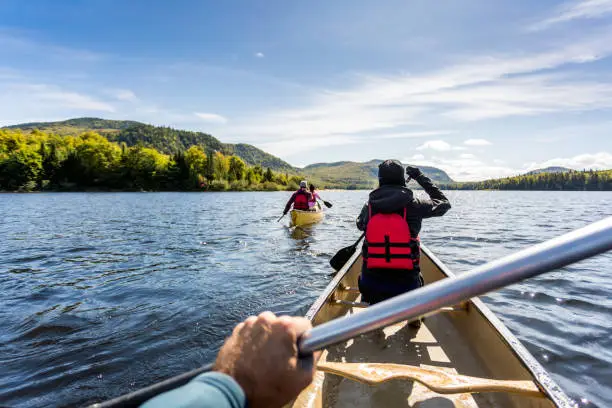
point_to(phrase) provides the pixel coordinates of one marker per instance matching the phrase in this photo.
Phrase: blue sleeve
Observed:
(209, 390)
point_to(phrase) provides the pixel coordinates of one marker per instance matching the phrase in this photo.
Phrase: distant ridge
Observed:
(165, 139)
(551, 169)
(342, 174)
(356, 175)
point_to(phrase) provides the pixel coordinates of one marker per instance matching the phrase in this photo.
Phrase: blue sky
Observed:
(478, 88)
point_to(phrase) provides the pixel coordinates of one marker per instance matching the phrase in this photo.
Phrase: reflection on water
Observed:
(105, 293)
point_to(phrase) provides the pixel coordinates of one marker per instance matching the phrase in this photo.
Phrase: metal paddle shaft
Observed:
(538, 259)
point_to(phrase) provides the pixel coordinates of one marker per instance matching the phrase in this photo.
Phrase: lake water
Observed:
(101, 294)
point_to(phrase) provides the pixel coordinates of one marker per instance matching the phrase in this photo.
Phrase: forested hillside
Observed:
(40, 161)
(163, 139)
(568, 180)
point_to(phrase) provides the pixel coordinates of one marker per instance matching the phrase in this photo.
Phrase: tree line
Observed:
(587, 180)
(40, 161)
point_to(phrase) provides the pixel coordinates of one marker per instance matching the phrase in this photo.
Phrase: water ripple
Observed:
(105, 293)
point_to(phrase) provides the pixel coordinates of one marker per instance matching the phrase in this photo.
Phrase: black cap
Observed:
(391, 172)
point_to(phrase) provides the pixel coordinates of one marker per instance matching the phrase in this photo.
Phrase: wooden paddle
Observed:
(436, 380)
(343, 255)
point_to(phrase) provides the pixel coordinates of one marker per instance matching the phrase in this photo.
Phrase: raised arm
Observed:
(437, 205)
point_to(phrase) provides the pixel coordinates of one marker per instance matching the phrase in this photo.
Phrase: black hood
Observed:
(391, 198)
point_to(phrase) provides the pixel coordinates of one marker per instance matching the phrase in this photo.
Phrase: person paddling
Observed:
(392, 220)
(299, 199)
(314, 196)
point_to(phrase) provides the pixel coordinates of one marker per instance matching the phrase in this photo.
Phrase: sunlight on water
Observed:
(105, 293)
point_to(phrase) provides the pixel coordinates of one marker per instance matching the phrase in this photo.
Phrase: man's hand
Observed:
(413, 171)
(261, 355)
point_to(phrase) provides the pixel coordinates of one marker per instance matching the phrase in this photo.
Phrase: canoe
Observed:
(300, 218)
(466, 340)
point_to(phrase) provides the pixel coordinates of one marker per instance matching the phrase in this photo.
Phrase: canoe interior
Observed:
(468, 340)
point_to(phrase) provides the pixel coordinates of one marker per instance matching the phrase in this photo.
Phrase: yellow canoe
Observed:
(300, 218)
(464, 350)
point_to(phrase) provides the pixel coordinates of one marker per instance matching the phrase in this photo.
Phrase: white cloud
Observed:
(410, 135)
(437, 145)
(53, 97)
(477, 142)
(9, 73)
(467, 156)
(15, 42)
(575, 10)
(211, 117)
(469, 168)
(125, 95)
(479, 88)
(417, 157)
(304, 144)
(588, 161)
(260, 55)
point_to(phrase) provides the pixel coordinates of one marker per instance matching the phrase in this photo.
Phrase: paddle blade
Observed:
(342, 257)
(327, 204)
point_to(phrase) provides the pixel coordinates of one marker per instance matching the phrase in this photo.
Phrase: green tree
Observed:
(268, 175)
(20, 170)
(236, 169)
(144, 167)
(221, 166)
(195, 158)
(97, 156)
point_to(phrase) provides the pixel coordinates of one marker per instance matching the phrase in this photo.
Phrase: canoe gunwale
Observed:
(331, 287)
(541, 376)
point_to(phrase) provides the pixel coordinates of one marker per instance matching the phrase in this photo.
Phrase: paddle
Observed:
(435, 379)
(327, 204)
(538, 259)
(281, 217)
(343, 255)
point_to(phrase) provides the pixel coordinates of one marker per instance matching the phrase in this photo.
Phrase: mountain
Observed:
(344, 174)
(552, 169)
(77, 126)
(588, 180)
(353, 175)
(164, 139)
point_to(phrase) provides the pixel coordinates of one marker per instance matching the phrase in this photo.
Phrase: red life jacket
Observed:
(388, 242)
(301, 200)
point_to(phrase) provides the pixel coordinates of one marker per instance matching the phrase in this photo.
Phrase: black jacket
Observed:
(380, 284)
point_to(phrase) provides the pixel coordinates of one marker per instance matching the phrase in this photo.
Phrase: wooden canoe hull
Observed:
(300, 218)
(469, 340)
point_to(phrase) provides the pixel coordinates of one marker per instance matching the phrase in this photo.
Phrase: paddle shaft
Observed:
(538, 259)
(358, 240)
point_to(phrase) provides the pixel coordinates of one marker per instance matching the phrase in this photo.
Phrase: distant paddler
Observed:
(299, 199)
(315, 198)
